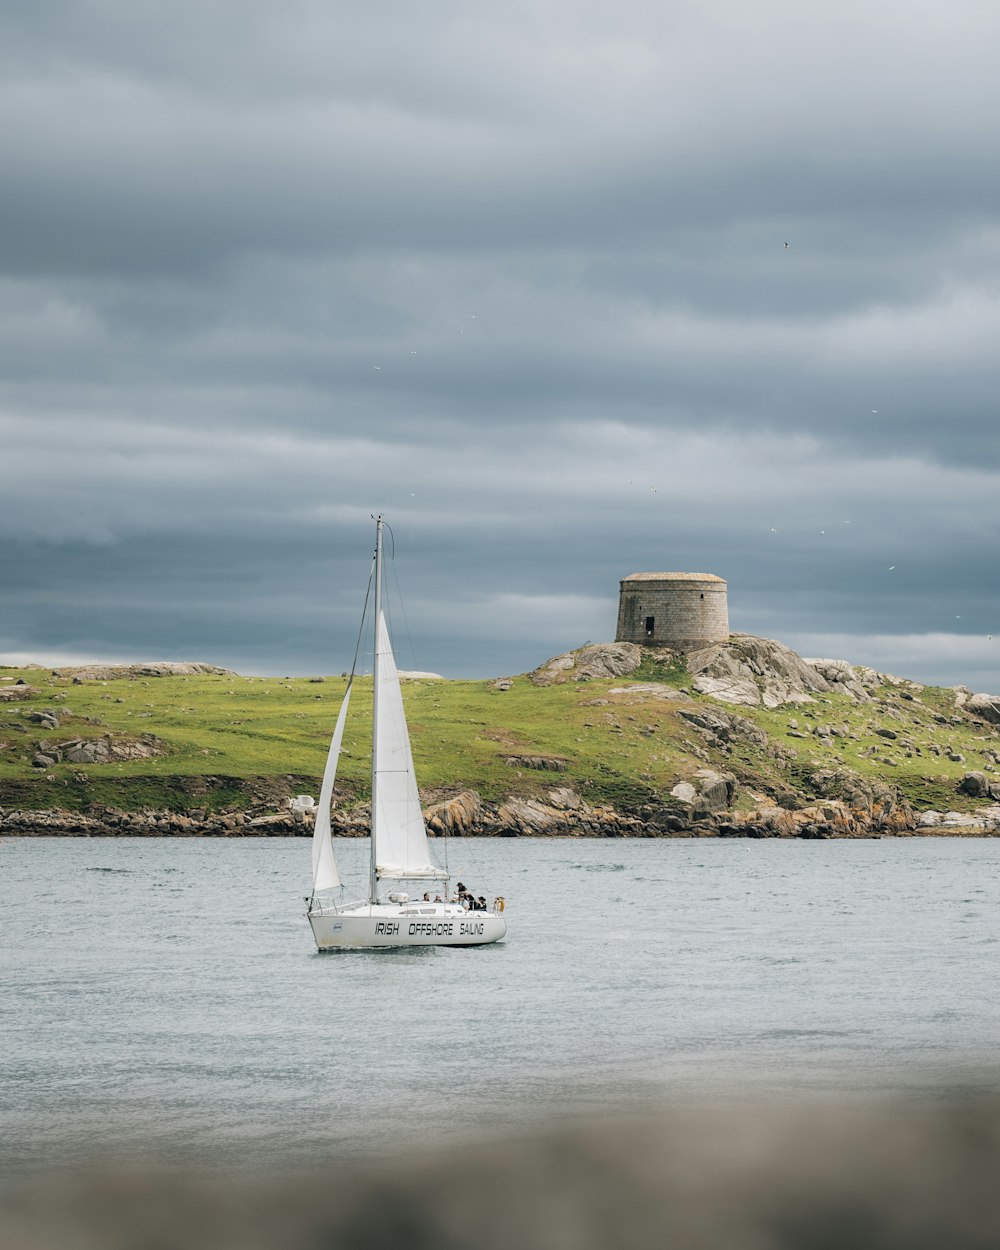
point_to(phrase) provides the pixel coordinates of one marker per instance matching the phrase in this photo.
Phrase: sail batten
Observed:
(399, 839)
(325, 874)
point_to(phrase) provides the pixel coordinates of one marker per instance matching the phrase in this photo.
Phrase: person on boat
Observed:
(427, 897)
(438, 898)
(481, 903)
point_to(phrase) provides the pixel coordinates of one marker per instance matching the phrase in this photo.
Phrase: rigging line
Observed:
(413, 655)
(356, 858)
(399, 597)
(350, 679)
(361, 629)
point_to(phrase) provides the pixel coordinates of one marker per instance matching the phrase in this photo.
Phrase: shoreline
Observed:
(607, 825)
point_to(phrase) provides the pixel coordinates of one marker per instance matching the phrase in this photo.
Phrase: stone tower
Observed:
(684, 611)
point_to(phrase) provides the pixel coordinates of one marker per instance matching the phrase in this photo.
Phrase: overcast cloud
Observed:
(515, 275)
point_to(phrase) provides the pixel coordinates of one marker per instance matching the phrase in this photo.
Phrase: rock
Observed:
(877, 804)
(976, 785)
(502, 683)
(454, 816)
(929, 820)
(684, 791)
(531, 818)
(113, 672)
(985, 706)
(605, 659)
(724, 726)
(956, 757)
(565, 799)
(16, 693)
(841, 677)
(753, 672)
(39, 760)
(714, 790)
(657, 689)
(743, 691)
(545, 763)
(886, 733)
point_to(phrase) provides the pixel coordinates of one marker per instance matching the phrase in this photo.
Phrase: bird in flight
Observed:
(786, 245)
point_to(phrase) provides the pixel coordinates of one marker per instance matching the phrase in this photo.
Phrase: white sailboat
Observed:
(399, 846)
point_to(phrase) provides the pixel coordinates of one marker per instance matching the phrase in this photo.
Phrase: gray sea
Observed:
(162, 999)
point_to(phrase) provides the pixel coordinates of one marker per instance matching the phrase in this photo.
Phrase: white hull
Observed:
(373, 925)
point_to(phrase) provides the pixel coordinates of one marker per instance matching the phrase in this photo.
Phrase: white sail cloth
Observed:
(399, 839)
(325, 874)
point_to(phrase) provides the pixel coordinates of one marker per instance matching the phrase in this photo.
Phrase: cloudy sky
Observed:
(517, 276)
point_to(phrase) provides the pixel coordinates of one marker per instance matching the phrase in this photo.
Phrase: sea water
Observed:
(162, 999)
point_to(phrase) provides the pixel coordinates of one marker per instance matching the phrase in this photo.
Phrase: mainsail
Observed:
(399, 839)
(325, 874)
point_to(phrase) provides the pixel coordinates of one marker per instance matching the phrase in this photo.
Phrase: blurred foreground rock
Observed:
(750, 1178)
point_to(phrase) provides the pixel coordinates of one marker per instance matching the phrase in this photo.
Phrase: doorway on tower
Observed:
(650, 625)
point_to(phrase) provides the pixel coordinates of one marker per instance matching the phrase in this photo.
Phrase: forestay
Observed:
(399, 839)
(325, 874)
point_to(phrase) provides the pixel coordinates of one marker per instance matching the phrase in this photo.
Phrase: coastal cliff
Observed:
(743, 738)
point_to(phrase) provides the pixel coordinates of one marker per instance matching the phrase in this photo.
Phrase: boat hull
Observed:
(381, 926)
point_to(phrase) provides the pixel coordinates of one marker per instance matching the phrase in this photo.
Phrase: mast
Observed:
(372, 879)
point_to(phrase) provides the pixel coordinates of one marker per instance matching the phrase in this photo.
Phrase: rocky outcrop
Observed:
(842, 678)
(544, 763)
(986, 821)
(706, 792)
(104, 750)
(16, 693)
(457, 816)
(878, 805)
(754, 672)
(165, 668)
(984, 707)
(604, 659)
(653, 690)
(720, 728)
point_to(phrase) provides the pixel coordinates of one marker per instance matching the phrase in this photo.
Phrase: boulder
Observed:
(984, 706)
(975, 785)
(714, 790)
(603, 659)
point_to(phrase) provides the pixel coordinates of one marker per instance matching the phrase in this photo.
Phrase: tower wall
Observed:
(684, 611)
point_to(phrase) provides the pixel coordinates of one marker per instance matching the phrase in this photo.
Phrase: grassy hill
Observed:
(217, 742)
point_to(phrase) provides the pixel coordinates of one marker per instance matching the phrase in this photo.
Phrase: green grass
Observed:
(231, 741)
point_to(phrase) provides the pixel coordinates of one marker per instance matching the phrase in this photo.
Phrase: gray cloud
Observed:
(518, 277)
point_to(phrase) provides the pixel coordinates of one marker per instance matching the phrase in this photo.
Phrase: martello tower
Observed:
(684, 611)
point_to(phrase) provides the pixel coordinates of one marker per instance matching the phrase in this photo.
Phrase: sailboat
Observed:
(400, 853)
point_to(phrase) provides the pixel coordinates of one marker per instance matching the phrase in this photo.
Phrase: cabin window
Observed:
(650, 623)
